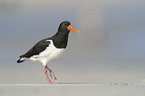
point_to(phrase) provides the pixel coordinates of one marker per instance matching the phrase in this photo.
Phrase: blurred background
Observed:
(110, 47)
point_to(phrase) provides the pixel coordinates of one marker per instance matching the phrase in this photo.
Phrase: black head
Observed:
(65, 27)
(67, 23)
(61, 37)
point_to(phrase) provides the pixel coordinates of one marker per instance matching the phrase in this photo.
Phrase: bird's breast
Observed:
(51, 51)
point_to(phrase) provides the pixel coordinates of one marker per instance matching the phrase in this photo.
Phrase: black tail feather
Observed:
(21, 60)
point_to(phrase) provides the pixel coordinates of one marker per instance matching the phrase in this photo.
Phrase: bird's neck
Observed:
(60, 39)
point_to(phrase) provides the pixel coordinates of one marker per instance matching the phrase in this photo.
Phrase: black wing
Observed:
(37, 48)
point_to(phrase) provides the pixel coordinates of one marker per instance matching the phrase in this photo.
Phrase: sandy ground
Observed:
(23, 80)
(72, 90)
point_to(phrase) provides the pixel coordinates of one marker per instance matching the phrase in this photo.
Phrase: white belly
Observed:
(51, 53)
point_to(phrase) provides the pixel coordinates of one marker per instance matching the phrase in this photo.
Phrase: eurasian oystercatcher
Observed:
(49, 49)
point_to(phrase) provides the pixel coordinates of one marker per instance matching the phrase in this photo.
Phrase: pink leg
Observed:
(45, 71)
(49, 82)
(51, 73)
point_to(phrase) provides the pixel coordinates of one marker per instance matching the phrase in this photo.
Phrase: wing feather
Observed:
(37, 49)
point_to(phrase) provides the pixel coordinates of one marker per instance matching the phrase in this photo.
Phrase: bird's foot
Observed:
(49, 82)
(52, 75)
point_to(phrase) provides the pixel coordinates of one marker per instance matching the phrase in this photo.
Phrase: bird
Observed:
(49, 49)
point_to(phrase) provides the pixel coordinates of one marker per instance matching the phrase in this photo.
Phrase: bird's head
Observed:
(65, 26)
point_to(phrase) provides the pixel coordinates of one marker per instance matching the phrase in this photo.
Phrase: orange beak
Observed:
(73, 29)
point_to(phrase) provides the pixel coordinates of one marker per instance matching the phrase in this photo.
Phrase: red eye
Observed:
(63, 24)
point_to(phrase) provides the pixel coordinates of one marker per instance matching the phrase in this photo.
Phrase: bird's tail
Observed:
(22, 59)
